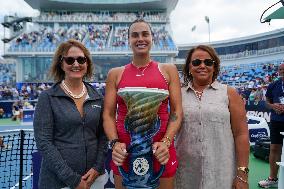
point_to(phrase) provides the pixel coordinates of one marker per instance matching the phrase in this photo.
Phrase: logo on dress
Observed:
(140, 166)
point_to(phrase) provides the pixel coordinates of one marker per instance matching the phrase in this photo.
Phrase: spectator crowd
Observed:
(109, 32)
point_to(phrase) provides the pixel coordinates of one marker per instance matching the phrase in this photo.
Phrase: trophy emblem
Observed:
(140, 166)
(142, 123)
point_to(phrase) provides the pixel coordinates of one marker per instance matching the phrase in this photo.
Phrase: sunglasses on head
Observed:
(70, 60)
(207, 62)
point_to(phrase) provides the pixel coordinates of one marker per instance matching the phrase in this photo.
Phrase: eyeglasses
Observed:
(70, 60)
(207, 62)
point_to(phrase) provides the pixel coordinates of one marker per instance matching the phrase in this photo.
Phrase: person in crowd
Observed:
(247, 92)
(147, 73)
(21, 107)
(28, 105)
(264, 89)
(1, 142)
(244, 98)
(213, 143)
(275, 101)
(2, 112)
(258, 95)
(68, 124)
(16, 114)
(252, 95)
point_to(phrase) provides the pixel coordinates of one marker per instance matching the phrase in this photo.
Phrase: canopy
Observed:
(278, 14)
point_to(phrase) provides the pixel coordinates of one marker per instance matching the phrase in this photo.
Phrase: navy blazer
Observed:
(70, 145)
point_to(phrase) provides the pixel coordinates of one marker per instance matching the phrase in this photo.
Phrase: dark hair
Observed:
(187, 77)
(139, 20)
(56, 71)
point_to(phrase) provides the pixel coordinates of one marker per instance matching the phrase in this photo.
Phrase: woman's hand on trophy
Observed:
(119, 153)
(161, 152)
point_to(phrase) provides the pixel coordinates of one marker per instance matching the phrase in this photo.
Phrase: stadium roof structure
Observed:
(278, 14)
(93, 5)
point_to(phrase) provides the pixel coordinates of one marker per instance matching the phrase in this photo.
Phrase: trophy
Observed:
(142, 123)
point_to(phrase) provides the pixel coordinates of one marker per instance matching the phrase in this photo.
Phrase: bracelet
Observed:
(167, 141)
(168, 138)
(241, 179)
(243, 169)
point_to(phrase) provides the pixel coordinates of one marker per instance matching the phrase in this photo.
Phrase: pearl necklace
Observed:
(71, 93)
(141, 71)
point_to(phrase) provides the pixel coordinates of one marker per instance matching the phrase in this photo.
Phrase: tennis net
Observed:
(16, 158)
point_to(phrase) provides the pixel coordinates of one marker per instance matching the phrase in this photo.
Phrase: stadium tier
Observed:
(247, 59)
(101, 25)
(103, 28)
(250, 49)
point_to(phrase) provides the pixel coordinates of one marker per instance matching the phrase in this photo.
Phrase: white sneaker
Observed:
(268, 183)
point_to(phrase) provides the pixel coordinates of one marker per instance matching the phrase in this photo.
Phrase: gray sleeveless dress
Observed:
(205, 143)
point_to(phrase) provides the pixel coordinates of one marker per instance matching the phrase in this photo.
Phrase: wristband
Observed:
(112, 143)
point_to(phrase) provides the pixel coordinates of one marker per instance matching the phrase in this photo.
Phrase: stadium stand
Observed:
(241, 75)
(102, 27)
(247, 59)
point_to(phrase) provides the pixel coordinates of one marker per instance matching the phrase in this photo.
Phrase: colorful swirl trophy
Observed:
(142, 123)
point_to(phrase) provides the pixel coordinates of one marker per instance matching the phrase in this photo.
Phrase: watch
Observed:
(244, 169)
(111, 143)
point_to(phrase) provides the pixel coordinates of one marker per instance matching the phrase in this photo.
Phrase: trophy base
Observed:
(141, 187)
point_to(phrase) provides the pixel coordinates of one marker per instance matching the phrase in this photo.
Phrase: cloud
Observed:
(19, 7)
(228, 19)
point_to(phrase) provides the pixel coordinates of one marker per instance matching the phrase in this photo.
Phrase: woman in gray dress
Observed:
(68, 123)
(213, 143)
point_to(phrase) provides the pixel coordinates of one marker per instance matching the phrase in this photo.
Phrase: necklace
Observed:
(198, 94)
(141, 71)
(71, 93)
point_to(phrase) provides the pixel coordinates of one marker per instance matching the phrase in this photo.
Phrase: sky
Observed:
(228, 19)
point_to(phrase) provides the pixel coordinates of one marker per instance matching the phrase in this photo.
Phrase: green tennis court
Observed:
(258, 170)
(8, 122)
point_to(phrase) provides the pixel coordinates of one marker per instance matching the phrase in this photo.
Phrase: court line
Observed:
(25, 179)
